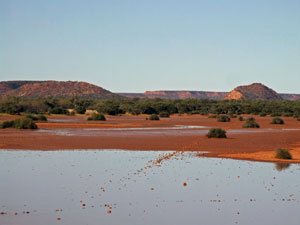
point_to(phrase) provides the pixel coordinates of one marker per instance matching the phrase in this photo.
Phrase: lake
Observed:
(144, 188)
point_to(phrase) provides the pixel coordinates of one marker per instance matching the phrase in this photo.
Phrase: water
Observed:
(152, 131)
(134, 188)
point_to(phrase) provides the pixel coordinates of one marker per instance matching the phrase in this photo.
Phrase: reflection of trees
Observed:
(282, 166)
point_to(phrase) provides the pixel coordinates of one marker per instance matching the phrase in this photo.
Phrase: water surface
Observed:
(134, 188)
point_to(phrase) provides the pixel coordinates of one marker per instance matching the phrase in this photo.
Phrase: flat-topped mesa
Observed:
(184, 94)
(53, 89)
(252, 92)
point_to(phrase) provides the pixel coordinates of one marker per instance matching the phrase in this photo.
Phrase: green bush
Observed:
(276, 114)
(288, 114)
(7, 124)
(57, 110)
(241, 118)
(153, 117)
(216, 133)
(251, 123)
(97, 116)
(164, 114)
(39, 117)
(21, 123)
(283, 154)
(24, 123)
(263, 114)
(223, 118)
(277, 120)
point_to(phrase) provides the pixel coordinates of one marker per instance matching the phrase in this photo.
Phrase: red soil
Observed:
(250, 146)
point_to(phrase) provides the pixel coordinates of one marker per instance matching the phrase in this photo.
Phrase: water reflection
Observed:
(282, 166)
(133, 188)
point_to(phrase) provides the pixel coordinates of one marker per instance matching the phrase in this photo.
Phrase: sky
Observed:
(138, 45)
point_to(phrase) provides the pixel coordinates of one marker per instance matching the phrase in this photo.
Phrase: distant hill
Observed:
(177, 95)
(84, 89)
(53, 89)
(253, 91)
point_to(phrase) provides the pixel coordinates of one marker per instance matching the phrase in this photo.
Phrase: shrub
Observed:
(7, 124)
(164, 114)
(263, 114)
(283, 154)
(216, 133)
(97, 116)
(251, 123)
(153, 117)
(275, 114)
(39, 117)
(288, 114)
(24, 123)
(241, 118)
(57, 110)
(277, 120)
(223, 118)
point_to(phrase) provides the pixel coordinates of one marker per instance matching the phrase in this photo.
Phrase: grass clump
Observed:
(283, 154)
(277, 120)
(251, 123)
(97, 116)
(24, 123)
(21, 123)
(153, 117)
(276, 114)
(164, 114)
(216, 133)
(39, 117)
(7, 124)
(263, 114)
(241, 118)
(223, 118)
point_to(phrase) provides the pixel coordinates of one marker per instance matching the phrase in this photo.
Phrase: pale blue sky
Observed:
(138, 45)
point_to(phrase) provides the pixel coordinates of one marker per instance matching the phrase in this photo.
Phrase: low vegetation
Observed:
(223, 118)
(153, 117)
(97, 116)
(231, 108)
(21, 123)
(277, 120)
(262, 114)
(251, 123)
(216, 133)
(164, 114)
(39, 117)
(283, 154)
(241, 118)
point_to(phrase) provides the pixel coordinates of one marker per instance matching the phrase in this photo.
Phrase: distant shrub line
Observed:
(161, 107)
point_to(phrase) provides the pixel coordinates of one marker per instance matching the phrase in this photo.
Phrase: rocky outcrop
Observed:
(253, 91)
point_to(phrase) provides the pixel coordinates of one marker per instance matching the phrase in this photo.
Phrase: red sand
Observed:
(250, 146)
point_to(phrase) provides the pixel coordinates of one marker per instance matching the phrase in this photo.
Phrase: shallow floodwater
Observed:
(134, 188)
(150, 131)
